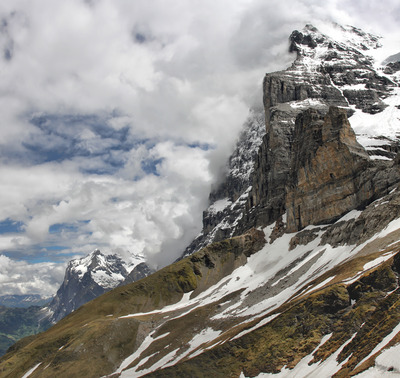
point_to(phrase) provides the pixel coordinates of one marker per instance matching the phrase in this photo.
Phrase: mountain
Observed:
(91, 276)
(392, 59)
(21, 316)
(23, 301)
(325, 73)
(296, 272)
(85, 279)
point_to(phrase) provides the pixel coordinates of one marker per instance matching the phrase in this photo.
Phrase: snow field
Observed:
(265, 266)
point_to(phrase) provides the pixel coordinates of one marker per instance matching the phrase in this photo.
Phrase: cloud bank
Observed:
(118, 116)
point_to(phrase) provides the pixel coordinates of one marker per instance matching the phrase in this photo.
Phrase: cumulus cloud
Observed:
(117, 117)
(20, 277)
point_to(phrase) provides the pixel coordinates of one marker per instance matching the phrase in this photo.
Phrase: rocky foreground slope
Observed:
(306, 278)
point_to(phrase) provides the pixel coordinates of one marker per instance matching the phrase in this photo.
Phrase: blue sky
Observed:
(118, 117)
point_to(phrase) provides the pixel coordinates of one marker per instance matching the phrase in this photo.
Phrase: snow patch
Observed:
(378, 260)
(205, 336)
(182, 303)
(386, 364)
(372, 129)
(305, 104)
(29, 372)
(219, 205)
(353, 214)
(107, 279)
(382, 344)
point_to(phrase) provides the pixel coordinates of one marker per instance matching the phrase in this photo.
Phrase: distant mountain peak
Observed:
(90, 276)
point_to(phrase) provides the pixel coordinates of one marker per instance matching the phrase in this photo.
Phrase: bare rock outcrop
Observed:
(331, 173)
(325, 74)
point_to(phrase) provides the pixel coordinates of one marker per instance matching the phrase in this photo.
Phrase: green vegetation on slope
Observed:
(364, 307)
(94, 340)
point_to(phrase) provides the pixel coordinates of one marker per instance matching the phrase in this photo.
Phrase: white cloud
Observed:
(103, 104)
(20, 277)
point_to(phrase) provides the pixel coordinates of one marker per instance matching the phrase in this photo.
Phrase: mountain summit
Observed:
(91, 276)
(297, 269)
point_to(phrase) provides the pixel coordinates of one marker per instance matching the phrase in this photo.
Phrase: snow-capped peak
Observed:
(88, 277)
(107, 271)
(343, 45)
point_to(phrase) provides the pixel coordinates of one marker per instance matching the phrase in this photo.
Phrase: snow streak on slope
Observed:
(304, 368)
(387, 364)
(270, 278)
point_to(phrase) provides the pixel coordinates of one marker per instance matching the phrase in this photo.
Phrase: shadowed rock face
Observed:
(140, 271)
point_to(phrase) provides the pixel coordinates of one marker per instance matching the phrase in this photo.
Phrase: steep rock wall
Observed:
(326, 170)
(326, 72)
(319, 78)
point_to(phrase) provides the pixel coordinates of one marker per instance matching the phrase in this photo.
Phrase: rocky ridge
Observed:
(331, 173)
(23, 301)
(236, 301)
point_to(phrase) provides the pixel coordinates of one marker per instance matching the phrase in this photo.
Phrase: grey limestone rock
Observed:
(326, 74)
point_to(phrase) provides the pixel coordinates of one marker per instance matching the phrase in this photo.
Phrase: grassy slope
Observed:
(92, 341)
(300, 327)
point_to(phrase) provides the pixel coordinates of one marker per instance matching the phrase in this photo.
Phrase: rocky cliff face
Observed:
(326, 73)
(331, 173)
(228, 200)
(140, 271)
